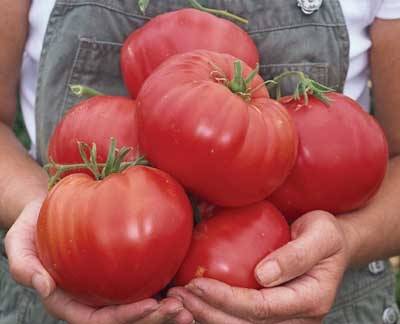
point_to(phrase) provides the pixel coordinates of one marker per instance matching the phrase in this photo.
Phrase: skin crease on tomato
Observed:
(228, 246)
(114, 241)
(95, 120)
(178, 32)
(228, 150)
(342, 159)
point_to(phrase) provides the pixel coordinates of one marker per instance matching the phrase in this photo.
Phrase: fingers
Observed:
(62, 306)
(25, 266)
(171, 310)
(292, 301)
(184, 317)
(243, 303)
(316, 237)
(202, 311)
(246, 304)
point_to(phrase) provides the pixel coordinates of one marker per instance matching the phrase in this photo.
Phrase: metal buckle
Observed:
(308, 7)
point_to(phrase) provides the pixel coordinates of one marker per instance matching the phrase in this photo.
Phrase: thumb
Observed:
(25, 267)
(316, 237)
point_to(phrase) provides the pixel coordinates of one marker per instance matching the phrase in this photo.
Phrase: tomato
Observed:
(177, 32)
(342, 158)
(228, 147)
(95, 120)
(114, 241)
(228, 246)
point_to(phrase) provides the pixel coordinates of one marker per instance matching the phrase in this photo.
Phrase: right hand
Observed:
(26, 269)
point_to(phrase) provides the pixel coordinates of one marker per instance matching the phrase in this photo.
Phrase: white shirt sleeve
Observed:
(389, 9)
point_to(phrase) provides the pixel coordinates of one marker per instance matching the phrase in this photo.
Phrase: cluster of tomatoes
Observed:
(115, 231)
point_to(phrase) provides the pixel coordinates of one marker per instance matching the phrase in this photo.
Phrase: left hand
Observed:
(301, 280)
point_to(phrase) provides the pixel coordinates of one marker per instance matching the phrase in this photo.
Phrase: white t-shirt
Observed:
(359, 15)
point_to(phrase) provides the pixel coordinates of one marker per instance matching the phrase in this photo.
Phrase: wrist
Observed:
(353, 239)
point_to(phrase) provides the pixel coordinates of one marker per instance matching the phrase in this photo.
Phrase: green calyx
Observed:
(114, 164)
(239, 84)
(305, 87)
(143, 4)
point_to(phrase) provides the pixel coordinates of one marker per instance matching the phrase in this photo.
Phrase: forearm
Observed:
(21, 178)
(373, 232)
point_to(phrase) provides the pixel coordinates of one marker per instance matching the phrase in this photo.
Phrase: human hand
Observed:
(301, 280)
(27, 270)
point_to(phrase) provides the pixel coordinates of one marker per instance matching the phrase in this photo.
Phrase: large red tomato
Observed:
(95, 120)
(228, 246)
(229, 145)
(178, 32)
(342, 157)
(118, 240)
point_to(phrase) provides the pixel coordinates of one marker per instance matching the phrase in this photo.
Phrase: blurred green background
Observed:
(20, 130)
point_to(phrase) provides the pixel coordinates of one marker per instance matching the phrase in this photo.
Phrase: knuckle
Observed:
(260, 310)
(299, 252)
(320, 308)
(169, 306)
(202, 313)
(15, 271)
(8, 240)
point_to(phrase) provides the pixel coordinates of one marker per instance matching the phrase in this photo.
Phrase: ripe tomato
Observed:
(118, 240)
(179, 32)
(342, 158)
(230, 149)
(228, 246)
(95, 120)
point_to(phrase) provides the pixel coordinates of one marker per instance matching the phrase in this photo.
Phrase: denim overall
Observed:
(82, 46)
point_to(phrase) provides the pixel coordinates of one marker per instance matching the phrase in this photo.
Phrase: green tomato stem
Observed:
(83, 91)
(217, 12)
(304, 87)
(114, 163)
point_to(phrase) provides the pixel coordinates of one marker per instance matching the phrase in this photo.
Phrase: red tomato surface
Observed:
(177, 32)
(342, 158)
(95, 120)
(227, 150)
(118, 240)
(228, 246)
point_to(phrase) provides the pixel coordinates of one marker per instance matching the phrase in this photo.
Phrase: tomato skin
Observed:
(226, 150)
(114, 241)
(95, 120)
(342, 159)
(228, 246)
(178, 32)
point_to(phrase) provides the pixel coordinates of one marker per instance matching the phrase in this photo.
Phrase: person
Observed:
(326, 273)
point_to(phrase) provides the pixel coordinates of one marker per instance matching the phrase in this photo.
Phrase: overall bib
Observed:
(82, 46)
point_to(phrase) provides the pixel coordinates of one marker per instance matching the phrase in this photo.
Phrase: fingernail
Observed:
(195, 289)
(268, 272)
(41, 285)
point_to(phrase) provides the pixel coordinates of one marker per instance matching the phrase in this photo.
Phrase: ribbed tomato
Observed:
(224, 140)
(342, 157)
(229, 245)
(95, 120)
(117, 240)
(179, 32)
